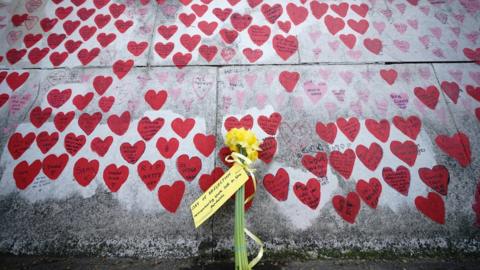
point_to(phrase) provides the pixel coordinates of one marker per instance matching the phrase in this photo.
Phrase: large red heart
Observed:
(57, 58)
(289, 80)
(240, 22)
(74, 143)
(398, 179)
(272, 13)
(167, 148)
(52, 166)
(187, 19)
(232, 122)
(437, 178)
(473, 92)
(69, 27)
(457, 146)
(308, 194)
(183, 127)
(121, 68)
(106, 103)
(62, 120)
(327, 132)
(86, 56)
(269, 148)
(156, 99)
(47, 24)
(298, 14)
(228, 36)
(341, 9)
(131, 153)
(46, 141)
(171, 196)
(85, 13)
(369, 191)
(428, 96)
(189, 167)
(14, 55)
(102, 83)
(39, 116)
(54, 40)
(36, 55)
(15, 79)
(63, 12)
(410, 126)
(389, 75)
(85, 171)
(451, 89)
(381, 130)
(82, 101)
(252, 54)
(207, 180)
(316, 165)
(101, 20)
(119, 124)
(181, 60)
(432, 206)
(190, 42)
(270, 124)
(370, 157)
(163, 50)
(208, 52)
(105, 39)
(57, 98)
(343, 162)
(115, 177)
(259, 34)
(205, 144)
(25, 173)
(406, 151)
(18, 144)
(350, 128)
(151, 173)
(349, 40)
(100, 146)
(285, 46)
(167, 31)
(360, 26)
(348, 207)
(147, 128)
(122, 26)
(277, 185)
(373, 44)
(334, 25)
(88, 122)
(137, 48)
(318, 9)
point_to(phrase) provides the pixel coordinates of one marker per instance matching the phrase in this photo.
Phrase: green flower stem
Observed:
(240, 245)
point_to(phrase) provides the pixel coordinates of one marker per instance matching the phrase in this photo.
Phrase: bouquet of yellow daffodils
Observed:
(244, 146)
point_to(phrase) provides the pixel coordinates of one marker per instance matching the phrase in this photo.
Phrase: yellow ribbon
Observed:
(245, 163)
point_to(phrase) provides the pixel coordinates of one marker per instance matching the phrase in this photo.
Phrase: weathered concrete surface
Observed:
(80, 209)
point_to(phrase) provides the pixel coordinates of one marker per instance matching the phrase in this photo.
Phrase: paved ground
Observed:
(40, 263)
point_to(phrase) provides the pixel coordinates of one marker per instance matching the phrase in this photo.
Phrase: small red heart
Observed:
(163, 50)
(410, 126)
(369, 191)
(183, 127)
(167, 148)
(432, 206)
(381, 130)
(240, 22)
(137, 48)
(62, 120)
(46, 141)
(232, 122)
(119, 124)
(285, 47)
(474, 92)
(131, 153)
(57, 58)
(121, 68)
(205, 144)
(53, 40)
(316, 165)
(31, 39)
(348, 207)
(343, 162)
(398, 179)
(88, 122)
(277, 185)
(437, 178)
(270, 124)
(74, 143)
(189, 167)
(222, 14)
(289, 80)
(252, 55)
(14, 55)
(86, 56)
(82, 101)
(122, 26)
(167, 31)
(47, 24)
(39, 116)
(105, 39)
(350, 127)
(389, 75)
(269, 148)
(406, 151)
(181, 60)
(57, 98)
(85, 171)
(116, 9)
(101, 20)
(297, 14)
(341, 9)
(102, 83)
(106, 103)
(100, 146)
(318, 9)
(171, 196)
(147, 128)
(327, 132)
(18, 144)
(456, 146)
(207, 180)
(451, 89)
(71, 45)
(308, 194)
(156, 99)
(25, 173)
(53, 166)
(36, 54)
(208, 52)
(115, 177)
(334, 24)
(228, 36)
(370, 157)
(374, 45)
(15, 80)
(360, 26)
(199, 9)
(272, 13)
(428, 96)
(63, 12)
(151, 173)
(190, 42)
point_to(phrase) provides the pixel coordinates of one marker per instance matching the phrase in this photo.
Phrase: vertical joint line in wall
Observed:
(217, 91)
(152, 37)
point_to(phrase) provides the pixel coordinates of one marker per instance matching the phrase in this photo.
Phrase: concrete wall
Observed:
(362, 150)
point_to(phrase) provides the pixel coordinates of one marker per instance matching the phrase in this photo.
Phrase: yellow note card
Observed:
(218, 194)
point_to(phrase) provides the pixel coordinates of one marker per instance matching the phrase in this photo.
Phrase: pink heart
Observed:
(298, 103)
(314, 36)
(413, 23)
(250, 79)
(32, 5)
(356, 107)
(456, 74)
(475, 76)
(453, 44)
(367, 74)
(333, 45)
(425, 10)
(331, 108)
(347, 76)
(227, 54)
(425, 72)
(363, 95)
(269, 76)
(18, 102)
(437, 32)
(324, 73)
(382, 106)
(169, 10)
(161, 76)
(401, 27)
(280, 99)
(240, 95)
(379, 26)
(261, 100)
(402, 45)
(401, 7)
(13, 37)
(175, 92)
(401, 100)
(355, 55)
(31, 22)
(315, 91)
